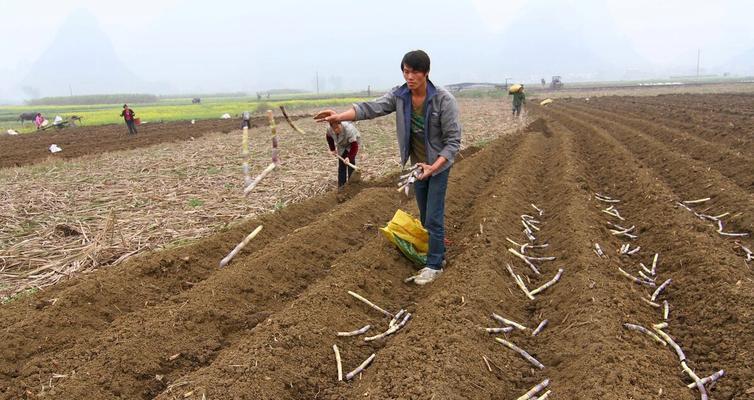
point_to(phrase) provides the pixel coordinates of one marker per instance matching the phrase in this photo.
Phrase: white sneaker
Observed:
(426, 275)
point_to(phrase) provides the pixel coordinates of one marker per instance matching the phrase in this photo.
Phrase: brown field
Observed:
(170, 325)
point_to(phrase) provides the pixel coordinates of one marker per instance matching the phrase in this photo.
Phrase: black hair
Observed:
(417, 60)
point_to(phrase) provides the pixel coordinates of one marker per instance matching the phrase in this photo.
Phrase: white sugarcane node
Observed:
(721, 215)
(523, 257)
(519, 282)
(548, 283)
(501, 329)
(684, 206)
(709, 379)
(529, 224)
(697, 201)
(536, 389)
(634, 251)
(240, 246)
(673, 344)
(337, 360)
(370, 304)
(540, 328)
(530, 236)
(665, 310)
(660, 289)
(509, 322)
(259, 178)
(357, 332)
(360, 368)
(697, 381)
(639, 328)
(545, 396)
(522, 352)
(539, 258)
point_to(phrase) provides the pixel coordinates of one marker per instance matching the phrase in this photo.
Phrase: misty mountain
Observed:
(81, 59)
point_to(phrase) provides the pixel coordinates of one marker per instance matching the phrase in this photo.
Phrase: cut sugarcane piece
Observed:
(520, 351)
(545, 396)
(360, 368)
(697, 201)
(509, 322)
(665, 310)
(540, 328)
(712, 378)
(533, 391)
(357, 332)
(397, 318)
(654, 264)
(519, 282)
(660, 289)
(290, 122)
(502, 329)
(538, 210)
(259, 178)
(646, 277)
(639, 328)
(370, 304)
(650, 302)
(598, 251)
(661, 325)
(673, 344)
(635, 279)
(337, 360)
(697, 381)
(549, 283)
(240, 246)
(390, 330)
(523, 257)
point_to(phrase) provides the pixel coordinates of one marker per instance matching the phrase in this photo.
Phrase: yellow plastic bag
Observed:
(408, 234)
(515, 88)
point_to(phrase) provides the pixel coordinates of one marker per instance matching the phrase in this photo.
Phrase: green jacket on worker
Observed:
(519, 98)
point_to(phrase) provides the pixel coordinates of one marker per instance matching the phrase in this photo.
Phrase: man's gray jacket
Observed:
(441, 121)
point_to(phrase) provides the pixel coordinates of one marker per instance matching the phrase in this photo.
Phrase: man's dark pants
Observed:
(430, 197)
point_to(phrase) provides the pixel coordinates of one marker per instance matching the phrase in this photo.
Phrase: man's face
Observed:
(336, 128)
(414, 79)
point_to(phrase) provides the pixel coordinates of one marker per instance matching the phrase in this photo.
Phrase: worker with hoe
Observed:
(519, 98)
(128, 115)
(429, 133)
(343, 141)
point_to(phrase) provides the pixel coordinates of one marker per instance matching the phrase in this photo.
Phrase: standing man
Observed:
(519, 98)
(128, 115)
(429, 133)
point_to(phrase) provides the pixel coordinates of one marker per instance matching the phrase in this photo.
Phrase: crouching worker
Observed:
(343, 140)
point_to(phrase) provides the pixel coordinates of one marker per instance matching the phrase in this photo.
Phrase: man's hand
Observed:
(427, 171)
(335, 153)
(327, 116)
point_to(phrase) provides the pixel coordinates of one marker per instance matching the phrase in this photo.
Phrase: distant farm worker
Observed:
(519, 98)
(128, 115)
(39, 120)
(343, 140)
(429, 133)
(246, 119)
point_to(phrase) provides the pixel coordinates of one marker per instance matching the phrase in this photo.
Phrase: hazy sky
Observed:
(220, 45)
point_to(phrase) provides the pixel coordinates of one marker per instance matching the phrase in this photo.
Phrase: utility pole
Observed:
(317, 78)
(70, 89)
(698, 59)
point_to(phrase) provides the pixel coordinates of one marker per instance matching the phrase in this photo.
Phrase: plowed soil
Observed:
(28, 149)
(173, 325)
